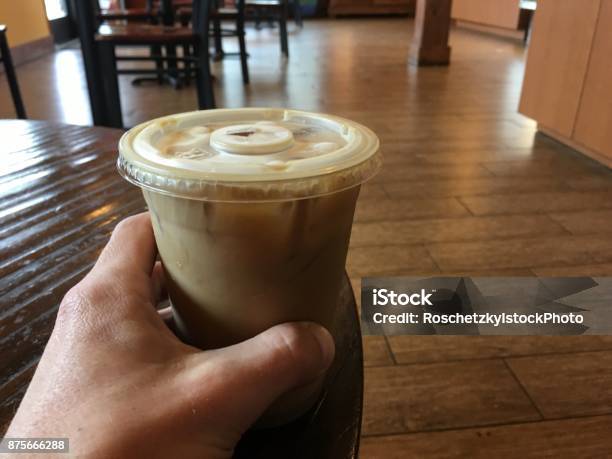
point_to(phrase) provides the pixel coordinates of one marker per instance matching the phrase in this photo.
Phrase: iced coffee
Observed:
(252, 212)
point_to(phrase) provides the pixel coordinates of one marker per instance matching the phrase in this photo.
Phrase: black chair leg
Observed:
(243, 53)
(218, 39)
(159, 64)
(297, 13)
(283, 28)
(187, 64)
(172, 67)
(206, 96)
(110, 83)
(11, 77)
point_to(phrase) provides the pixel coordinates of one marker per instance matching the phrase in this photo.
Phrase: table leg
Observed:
(93, 71)
(168, 19)
(110, 82)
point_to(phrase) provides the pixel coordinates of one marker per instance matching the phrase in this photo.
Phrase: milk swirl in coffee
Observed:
(252, 212)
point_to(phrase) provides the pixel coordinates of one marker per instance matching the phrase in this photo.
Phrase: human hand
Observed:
(118, 383)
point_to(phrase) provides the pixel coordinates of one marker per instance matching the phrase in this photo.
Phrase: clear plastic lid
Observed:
(248, 154)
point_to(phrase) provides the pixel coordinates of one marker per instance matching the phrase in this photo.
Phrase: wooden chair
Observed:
(277, 10)
(99, 43)
(149, 14)
(218, 15)
(7, 60)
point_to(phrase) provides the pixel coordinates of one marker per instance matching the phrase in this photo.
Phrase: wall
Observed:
(566, 88)
(498, 13)
(26, 20)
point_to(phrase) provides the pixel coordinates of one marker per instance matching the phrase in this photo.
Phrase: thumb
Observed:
(251, 375)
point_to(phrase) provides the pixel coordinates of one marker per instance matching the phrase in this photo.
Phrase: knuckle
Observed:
(125, 225)
(87, 311)
(74, 304)
(83, 297)
(292, 344)
(99, 292)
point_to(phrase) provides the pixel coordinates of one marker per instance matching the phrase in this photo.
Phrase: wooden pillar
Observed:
(430, 41)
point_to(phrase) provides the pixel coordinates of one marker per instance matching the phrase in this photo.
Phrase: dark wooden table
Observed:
(60, 197)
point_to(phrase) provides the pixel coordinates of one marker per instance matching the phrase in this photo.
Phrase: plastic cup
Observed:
(252, 212)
